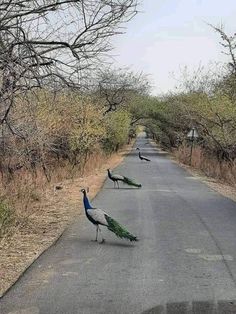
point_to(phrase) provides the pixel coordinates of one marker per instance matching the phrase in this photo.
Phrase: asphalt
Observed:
(184, 262)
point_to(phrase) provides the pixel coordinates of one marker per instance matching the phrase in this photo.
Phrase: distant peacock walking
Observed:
(99, 217)
(116, 178)
(141, 157)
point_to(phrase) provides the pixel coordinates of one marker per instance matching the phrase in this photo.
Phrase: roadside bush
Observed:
(6, 216)
(117, 129)
(73, 125)
(48, 129)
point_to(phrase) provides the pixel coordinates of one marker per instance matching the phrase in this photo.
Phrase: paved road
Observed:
(185, 261)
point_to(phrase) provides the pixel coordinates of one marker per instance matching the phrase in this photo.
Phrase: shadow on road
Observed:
(195, 307)
(90, 242)
(120, 244)
(122, 188)
(147, 153)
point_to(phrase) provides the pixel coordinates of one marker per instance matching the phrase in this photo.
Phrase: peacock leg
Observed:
(97, 233)
(103, 240)
(96, 240)
(118, 184)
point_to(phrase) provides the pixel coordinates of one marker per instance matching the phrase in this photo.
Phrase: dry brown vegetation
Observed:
(223, 171)
(60, 120)
(205, 100)
(42, 214)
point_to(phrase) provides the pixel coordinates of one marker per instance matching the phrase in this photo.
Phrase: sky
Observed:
(170, 34)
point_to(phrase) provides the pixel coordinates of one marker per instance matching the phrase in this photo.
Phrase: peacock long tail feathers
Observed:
(131, 182)
(119, 231)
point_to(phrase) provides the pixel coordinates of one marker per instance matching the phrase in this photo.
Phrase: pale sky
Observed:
(169, 34)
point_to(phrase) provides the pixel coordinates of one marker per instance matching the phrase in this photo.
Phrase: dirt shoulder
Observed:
(48, 220)
(221, 187)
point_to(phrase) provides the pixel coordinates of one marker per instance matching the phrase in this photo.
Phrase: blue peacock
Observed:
(117, 177)
(99, 217)
(141, 157)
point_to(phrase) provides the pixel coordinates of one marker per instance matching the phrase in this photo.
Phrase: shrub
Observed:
(117, 129)
(6, 216)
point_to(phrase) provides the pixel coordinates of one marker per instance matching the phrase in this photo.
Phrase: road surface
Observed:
(185, 261)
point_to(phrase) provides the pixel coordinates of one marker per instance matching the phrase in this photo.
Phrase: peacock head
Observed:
(84, 191)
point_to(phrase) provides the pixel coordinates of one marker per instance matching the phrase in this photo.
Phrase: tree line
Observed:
(206, 100)
(57, 84)
(62, 100)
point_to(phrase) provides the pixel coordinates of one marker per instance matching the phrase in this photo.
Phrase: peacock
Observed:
(116, 178)
(99, 217)
(142, 157)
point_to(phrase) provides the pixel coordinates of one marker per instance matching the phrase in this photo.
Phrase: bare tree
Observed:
(117, 86)
(229, 45)
(227, 82)
(48, 43)
(54, 38)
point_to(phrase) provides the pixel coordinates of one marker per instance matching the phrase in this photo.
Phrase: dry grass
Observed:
(42, 213)
(223, 171)
(219, 176)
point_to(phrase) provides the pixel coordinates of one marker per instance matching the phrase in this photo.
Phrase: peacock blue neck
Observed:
(86, 202)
